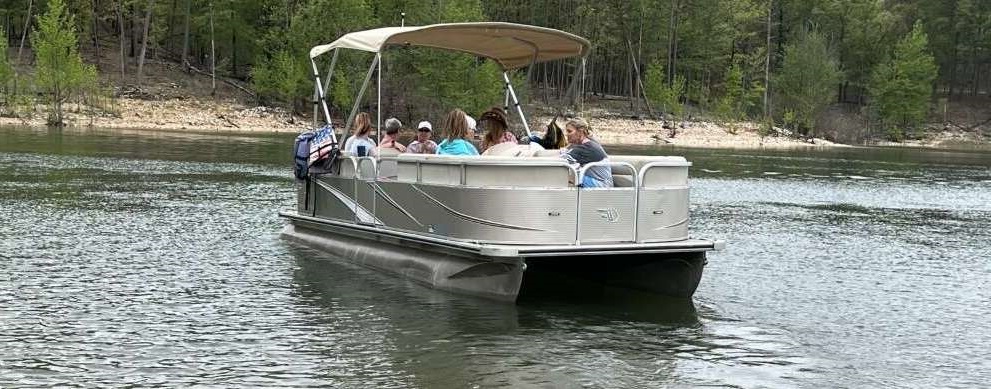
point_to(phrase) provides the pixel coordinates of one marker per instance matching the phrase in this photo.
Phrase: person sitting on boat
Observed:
(389, 141)
(456, 135)
(496, 129)
(423, 144)
(582, 150)
(359, 143)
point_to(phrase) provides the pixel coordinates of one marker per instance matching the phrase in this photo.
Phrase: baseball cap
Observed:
(424, 124)
(471, 121)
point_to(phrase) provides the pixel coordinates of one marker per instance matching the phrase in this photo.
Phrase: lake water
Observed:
(153, 259)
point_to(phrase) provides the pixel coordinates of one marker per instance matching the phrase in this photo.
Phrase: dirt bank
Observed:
(229, 115)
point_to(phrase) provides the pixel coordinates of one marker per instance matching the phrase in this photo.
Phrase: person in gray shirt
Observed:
(582, 150)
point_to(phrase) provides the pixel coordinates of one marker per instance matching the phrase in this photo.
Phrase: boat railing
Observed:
(647, 204)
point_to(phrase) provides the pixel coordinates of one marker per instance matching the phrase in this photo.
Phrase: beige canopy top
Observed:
(510, 45)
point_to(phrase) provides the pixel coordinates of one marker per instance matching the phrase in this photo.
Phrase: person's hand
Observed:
(400, 147)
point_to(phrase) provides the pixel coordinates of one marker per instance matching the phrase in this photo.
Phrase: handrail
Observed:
(650, 165)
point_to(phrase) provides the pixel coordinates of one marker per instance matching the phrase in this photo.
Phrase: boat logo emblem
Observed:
(610, 214)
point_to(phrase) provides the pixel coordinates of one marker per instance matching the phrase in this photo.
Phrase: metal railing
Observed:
(637, 176)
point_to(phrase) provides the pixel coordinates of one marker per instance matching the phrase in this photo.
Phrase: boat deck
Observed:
(473, 248)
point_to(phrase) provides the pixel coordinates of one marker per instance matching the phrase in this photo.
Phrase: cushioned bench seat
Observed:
(544, 172)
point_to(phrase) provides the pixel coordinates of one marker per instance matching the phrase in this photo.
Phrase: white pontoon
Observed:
(487, 225)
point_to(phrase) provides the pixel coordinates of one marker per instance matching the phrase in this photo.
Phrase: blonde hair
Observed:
(362, 124)
(456, 125)
(580, 125)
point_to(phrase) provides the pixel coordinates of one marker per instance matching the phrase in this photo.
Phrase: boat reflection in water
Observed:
(375, 331)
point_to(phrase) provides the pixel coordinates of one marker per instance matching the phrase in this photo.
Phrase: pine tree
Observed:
(807, 81)
(6, 70)
(60, 71)
(901, 87)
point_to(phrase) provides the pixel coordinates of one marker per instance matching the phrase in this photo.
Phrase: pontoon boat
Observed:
(487, 225)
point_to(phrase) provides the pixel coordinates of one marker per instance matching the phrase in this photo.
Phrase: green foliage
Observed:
(807, 81)
(731, 105)
(666, 98)
(278, 78)
(902, 87)
(6, 70)
(60, 71)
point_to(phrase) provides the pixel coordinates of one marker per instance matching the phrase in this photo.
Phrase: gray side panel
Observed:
(607, 215)
(328, 205)
(484, 214)
(663, 215)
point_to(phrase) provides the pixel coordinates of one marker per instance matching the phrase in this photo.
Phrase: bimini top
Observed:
(508, 44)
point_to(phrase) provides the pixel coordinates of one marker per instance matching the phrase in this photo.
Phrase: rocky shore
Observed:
(204, 114)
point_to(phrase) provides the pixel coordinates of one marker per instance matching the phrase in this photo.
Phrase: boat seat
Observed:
(543, 172)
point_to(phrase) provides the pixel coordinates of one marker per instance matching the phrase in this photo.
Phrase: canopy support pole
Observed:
(316, 104)
(505, 105)
(581, 90)
(330, 70)
(361, 94)
(316, 89)
(322, 98)
(378, 106)
(516, 101)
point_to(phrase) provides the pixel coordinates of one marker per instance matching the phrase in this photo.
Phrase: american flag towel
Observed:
(321, 144)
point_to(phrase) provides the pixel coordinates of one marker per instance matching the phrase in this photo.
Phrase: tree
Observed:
(658, 92)
(60, 71)
(805, 85)
(901, 87)
(6, 70)
(278, 78)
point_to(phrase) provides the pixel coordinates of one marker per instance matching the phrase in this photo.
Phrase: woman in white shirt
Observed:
(359, 135)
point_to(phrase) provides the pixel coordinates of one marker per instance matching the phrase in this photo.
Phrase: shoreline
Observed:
(229, 116)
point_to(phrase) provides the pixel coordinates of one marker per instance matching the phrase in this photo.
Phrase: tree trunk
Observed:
(234, 53)
(134, 31)
(120, 25)
(767, 63)
(144, 39)
(168, 33)
(213, 57)
(27, 26)
(672, 37)
(185, 40)
(974, 66)
(953, 64)
(96, 35)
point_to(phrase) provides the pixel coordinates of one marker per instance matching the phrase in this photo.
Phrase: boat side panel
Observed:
(329, 205)
(663, 215)
(506, 215)
(607, 215)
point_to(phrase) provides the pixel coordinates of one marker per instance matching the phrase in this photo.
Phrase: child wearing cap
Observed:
(423, 144)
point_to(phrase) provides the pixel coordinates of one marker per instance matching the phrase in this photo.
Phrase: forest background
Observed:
(847, 70)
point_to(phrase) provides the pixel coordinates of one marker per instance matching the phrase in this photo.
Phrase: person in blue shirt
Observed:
(456, 135)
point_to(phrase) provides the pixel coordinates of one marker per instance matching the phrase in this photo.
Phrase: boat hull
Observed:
(501, 272)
